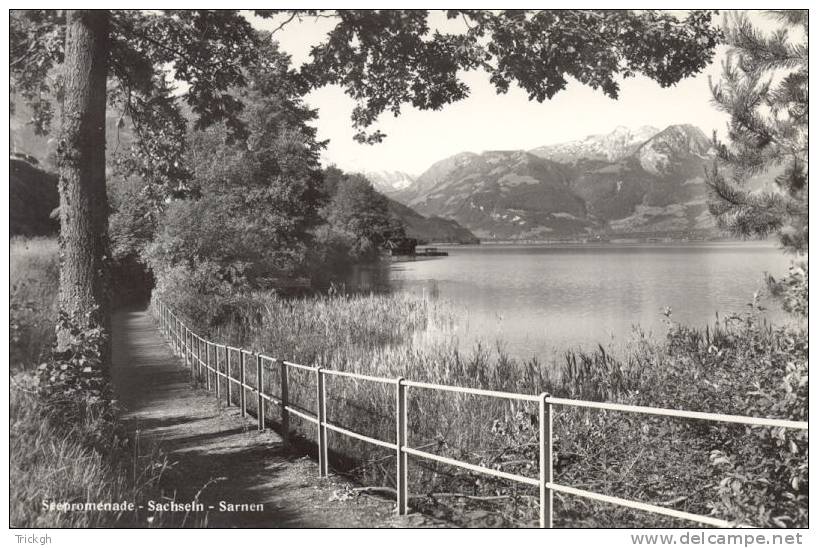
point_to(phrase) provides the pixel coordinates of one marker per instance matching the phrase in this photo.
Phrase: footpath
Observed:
(217, 458)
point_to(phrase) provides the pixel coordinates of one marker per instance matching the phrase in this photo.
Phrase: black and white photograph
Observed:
(400, 268)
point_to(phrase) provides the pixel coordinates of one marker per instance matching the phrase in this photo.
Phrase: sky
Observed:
(488, 121)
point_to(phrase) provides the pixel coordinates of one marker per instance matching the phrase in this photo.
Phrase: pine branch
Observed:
(758, 53)
(790, 17)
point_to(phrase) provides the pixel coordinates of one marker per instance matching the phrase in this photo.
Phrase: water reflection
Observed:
(540, 300)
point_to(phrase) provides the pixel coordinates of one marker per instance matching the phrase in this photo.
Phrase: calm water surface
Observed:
(541, 300)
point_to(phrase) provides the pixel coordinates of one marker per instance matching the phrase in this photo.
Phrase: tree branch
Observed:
(287, 22)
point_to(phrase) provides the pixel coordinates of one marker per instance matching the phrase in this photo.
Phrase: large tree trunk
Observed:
(84, 269)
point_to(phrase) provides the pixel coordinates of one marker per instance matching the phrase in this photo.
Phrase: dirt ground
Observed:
(216, 456)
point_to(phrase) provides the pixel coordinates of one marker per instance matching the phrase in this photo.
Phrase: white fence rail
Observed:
(197, 353)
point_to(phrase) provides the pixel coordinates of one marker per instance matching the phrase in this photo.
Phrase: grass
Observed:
(87, 462)
(51, 460)
(34, 282)
(739, 365)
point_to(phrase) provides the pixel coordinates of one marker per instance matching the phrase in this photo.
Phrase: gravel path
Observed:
(219, 457)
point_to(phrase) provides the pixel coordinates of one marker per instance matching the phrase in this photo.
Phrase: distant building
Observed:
(400, 247)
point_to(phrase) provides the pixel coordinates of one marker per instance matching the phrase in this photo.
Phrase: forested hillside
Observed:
(431, 229)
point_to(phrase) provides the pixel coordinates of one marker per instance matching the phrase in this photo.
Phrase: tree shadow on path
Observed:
(216, 457)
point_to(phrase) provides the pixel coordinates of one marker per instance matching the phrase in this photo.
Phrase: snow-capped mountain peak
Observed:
(610, 147)
(389, 181)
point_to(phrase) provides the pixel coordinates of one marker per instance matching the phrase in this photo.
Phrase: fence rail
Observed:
(189, 346)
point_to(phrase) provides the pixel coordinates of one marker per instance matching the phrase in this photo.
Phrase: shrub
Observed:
(793, 289)
(75, 382)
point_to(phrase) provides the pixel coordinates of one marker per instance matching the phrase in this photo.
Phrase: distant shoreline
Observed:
(613, 241)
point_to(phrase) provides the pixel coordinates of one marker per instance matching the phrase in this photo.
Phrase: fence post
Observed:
(197, 354)
(194, 368)
(218, 370)
(285, 398)
(546, 462)
(197, 351)
(229, 376)
(402, 480)
(207, 373)
(323, 467)
(243, 379)
(203, 362)
(260, 387)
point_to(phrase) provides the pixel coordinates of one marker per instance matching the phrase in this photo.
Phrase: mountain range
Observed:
(642, 181)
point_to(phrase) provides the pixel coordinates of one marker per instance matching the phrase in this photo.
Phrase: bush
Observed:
(793, 289)
(75, 382)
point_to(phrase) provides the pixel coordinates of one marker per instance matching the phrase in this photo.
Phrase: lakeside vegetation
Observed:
(740, 365)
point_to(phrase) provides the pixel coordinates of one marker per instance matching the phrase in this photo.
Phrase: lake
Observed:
(541, 300)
